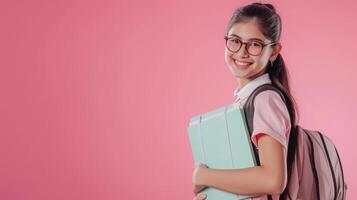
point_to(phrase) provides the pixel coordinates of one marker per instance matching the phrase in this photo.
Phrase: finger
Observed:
(201, 196)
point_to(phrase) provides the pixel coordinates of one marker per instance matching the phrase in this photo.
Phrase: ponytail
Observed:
(279, 75)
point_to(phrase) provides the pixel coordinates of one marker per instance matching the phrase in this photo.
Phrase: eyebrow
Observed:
(250, 39)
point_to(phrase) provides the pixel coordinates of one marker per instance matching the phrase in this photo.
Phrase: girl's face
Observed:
(243, 66)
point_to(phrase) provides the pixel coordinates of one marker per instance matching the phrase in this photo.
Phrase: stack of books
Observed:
(220, 139)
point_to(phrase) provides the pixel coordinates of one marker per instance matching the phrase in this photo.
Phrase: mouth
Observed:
(241, 64)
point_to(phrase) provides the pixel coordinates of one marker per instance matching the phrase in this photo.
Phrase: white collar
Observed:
(251, 86)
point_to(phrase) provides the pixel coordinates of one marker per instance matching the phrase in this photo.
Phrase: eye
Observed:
(255, 44)
(235, 40)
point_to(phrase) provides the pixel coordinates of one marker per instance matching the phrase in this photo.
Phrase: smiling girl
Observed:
(252, 54)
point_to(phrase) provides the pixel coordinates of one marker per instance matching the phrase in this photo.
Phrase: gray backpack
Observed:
(316, 171)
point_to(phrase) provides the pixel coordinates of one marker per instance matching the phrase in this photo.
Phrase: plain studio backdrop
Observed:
(96, 96)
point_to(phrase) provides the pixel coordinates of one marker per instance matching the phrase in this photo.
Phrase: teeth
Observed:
(242, 63)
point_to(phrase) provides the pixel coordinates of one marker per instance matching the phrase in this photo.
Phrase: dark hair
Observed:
(270, 25)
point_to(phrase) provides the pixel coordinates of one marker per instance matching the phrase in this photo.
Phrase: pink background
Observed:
(96, 95)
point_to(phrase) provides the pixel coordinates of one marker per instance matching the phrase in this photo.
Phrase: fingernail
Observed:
(202, 195)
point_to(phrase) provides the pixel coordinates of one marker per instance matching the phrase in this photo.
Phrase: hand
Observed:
(201, 196)
(198, 175)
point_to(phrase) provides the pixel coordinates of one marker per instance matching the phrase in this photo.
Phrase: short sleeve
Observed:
(271, 117)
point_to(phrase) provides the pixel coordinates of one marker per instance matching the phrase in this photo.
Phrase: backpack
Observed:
(316, 171)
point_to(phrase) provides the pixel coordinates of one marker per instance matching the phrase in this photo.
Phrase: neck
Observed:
(244, 81)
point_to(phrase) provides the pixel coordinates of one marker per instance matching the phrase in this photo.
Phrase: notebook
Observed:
(220, 139)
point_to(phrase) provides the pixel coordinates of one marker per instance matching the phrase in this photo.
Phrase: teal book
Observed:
(220, 139)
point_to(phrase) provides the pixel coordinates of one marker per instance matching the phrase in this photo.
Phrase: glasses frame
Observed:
(246, 45)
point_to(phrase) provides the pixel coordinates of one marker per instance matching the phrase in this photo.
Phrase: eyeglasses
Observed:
(253, 48)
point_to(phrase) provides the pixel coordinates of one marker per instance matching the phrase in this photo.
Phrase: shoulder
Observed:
(268, 98)
(269, 107)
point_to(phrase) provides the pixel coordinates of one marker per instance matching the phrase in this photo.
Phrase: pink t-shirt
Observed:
(271, 117)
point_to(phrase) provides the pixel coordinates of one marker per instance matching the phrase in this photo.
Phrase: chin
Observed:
(240, 74)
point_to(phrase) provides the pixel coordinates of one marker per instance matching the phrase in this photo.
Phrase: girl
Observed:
(253, 56)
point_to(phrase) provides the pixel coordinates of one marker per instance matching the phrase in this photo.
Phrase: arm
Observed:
(269, 178)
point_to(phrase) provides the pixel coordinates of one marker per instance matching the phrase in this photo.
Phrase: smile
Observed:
(241, 64)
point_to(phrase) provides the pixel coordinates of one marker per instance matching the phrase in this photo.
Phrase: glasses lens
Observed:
(254, 48)
(233, 44)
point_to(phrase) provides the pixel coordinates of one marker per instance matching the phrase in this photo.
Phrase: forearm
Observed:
(254, 180)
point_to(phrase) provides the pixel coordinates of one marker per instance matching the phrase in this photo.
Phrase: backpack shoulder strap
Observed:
(249, 113)
(249, 105)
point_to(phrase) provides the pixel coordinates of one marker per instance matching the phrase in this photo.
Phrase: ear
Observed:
(276, 50)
